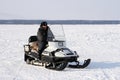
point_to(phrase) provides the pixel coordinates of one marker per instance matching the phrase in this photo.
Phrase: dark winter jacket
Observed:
(44, 35)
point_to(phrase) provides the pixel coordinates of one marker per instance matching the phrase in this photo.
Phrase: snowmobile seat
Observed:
(32, 39)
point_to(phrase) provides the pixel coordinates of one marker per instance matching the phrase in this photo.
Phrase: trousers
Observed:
(41, 47)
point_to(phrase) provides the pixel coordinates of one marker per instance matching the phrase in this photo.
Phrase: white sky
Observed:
(60, 9)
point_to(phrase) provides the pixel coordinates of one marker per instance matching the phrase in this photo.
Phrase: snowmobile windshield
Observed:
(57, 32)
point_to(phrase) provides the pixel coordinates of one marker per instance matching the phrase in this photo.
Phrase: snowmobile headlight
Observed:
(60, 43)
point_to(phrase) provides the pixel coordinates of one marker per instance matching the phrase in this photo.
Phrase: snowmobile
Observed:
(56, 56)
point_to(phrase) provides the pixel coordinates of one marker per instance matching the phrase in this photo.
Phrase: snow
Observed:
(101, 43)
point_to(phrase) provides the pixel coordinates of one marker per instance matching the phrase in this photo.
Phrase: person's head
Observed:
(44, 25)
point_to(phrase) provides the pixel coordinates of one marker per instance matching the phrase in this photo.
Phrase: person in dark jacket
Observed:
(42, 37)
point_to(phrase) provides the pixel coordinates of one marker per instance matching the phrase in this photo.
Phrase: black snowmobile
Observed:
(56, 56)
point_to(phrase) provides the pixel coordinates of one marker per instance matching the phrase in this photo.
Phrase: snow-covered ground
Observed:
(101, 43)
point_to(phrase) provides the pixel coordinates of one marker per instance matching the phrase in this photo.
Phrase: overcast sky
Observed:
(60, 9)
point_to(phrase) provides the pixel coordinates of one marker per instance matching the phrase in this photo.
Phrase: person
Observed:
(43, 35)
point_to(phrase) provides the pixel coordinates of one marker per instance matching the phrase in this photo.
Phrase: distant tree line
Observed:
(60, 21)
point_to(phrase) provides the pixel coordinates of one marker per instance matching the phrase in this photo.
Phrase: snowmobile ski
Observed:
(85, 64)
